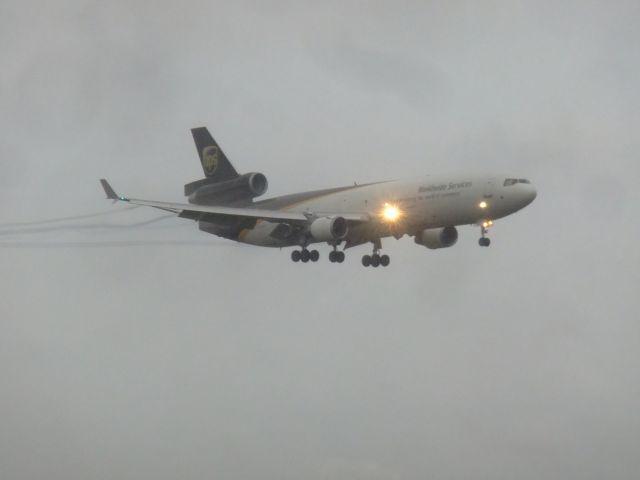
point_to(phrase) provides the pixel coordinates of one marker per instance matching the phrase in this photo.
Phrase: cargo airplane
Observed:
(429, 208)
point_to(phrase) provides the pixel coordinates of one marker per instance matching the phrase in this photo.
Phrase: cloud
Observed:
(416, 81)
(229, 361)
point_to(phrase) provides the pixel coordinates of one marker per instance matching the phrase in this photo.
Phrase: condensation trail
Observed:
(86, 226)
(119, 244)
(17, 229)
(71, 218)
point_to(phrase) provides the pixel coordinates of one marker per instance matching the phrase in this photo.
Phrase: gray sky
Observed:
(159, 352)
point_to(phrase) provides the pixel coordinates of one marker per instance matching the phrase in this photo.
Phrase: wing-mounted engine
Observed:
(437, 237)
(328, 229)
(238, 190)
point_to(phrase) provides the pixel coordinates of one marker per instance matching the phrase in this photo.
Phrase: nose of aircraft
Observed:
(529, 194)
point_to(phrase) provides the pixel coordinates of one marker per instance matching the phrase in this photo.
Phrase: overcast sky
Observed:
(133, 346)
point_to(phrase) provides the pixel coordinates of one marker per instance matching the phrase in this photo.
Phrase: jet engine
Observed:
(240, 189)
(437, 237)
(328, 229)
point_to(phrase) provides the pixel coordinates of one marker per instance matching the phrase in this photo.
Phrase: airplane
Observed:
(428, 208)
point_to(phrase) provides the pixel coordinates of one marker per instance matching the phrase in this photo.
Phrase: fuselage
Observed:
(429, 208)
(424, 203)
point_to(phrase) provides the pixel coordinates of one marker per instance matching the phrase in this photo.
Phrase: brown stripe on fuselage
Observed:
(243, 233)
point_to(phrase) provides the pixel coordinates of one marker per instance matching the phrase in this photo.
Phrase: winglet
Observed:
(111, 194)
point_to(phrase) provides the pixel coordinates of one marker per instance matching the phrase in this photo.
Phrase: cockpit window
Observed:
(512, 181)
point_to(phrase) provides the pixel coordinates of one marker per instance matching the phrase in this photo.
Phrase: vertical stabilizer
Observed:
(215, 163)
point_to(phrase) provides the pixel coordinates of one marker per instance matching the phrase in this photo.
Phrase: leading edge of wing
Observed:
(277, 215)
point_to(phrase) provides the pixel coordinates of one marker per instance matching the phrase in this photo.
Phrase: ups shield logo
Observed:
(210, 159)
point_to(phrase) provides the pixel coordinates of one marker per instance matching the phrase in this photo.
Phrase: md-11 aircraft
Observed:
(429, 208)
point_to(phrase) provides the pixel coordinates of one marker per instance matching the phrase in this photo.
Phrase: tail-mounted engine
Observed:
(437, 237)
(242, 188)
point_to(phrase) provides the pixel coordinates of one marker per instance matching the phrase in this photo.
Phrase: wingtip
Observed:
(111, 194)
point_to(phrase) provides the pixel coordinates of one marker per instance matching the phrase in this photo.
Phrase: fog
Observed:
(134, 346)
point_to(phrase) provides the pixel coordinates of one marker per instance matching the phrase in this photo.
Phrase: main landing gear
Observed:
(305, 255)
(375, 259)
(336, 256)
(484, 241)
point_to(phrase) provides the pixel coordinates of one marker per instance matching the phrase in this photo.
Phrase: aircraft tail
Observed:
(216, 165)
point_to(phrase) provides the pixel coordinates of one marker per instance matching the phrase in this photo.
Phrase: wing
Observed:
(201, 212)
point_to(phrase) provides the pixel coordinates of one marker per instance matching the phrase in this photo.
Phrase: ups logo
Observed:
(210, 159)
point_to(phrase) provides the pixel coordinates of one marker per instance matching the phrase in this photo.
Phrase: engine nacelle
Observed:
(258, 184)
(328, 229)
(437, 237)
(242, 188)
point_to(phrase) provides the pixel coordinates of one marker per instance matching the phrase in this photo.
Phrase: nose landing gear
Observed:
(484, 241)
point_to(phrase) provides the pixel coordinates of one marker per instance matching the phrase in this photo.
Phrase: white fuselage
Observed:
(424, 203)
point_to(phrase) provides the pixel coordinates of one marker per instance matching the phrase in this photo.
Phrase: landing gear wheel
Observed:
(336, 257)
(314, 255)
(385, 260)
(304, 256)
(295, 255)
(366, 260)
(484, 242)
(375, 260)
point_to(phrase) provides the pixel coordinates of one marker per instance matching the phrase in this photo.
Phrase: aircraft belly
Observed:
(260, 235)
(421, 210)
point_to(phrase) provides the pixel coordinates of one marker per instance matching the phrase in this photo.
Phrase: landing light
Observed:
(482, 204)
(487, 223)
(390, 213)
